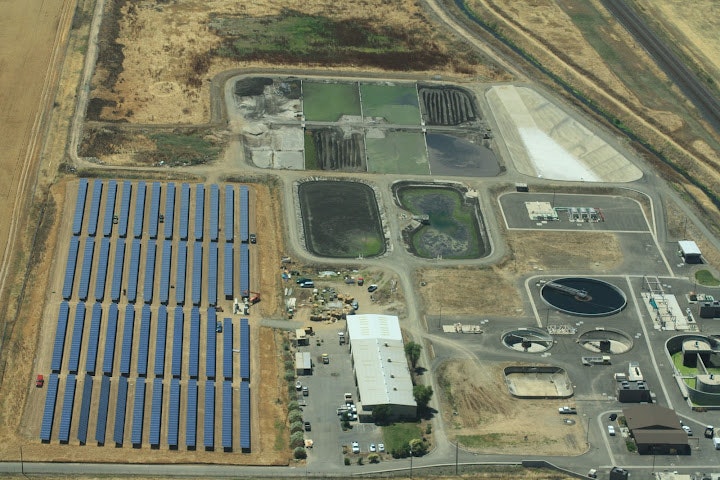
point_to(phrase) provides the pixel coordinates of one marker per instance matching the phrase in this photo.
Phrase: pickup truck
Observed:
(568, 410)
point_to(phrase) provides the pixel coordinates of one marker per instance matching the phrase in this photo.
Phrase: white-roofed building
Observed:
(690, 251)
(379, 364)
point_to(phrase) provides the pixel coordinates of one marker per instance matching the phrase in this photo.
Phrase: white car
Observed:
(611, 430)
(687, 429)
(373, 448)
(355, 447)
(381, 447)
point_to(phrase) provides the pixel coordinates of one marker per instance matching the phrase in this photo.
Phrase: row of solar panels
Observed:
(156, 408)
(155, 216)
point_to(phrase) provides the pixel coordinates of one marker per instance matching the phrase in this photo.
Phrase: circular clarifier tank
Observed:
(528, 340)
(582, 296)
(606, 340)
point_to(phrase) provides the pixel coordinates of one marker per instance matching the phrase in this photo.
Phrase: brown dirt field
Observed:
(476, 404)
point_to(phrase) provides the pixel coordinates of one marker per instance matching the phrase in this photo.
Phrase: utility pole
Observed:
(457, 452)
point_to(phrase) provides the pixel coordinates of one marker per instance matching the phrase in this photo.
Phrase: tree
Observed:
(381, 414)
(297, 439)
(374, 458)
(418, 447)
(300, 453)
(413, 350)
(296, 427)
(422, 395)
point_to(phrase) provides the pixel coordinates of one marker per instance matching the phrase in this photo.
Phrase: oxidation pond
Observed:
(455, 156)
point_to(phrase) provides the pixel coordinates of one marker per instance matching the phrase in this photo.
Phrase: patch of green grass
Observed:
(182, 148)
(310, 152)
(705, 277)
(678, 362)
(398, 152)
(398, 435)
(327, 102)
(280, 436)
(398, 104)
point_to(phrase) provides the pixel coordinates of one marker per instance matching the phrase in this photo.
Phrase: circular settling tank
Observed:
(606, 340)
(528, 340)
(586, 297)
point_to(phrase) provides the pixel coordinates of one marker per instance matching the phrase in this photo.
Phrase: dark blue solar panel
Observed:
(174, 413)
(49, 412)
(194, 354)
(212, 273)
(169, 210)
(191, 417)
(178, 325)
(181, 273)
(214, 212)
(85, 409)
(244, 214)
(154, 210)
(80, 206)
(59, 344)
(118, 266)
(102, 269)
(93, 340)
(110, 334)
(227, 349)
(197, 273)
(244, 270)
(165, 272)
(245, 416)
(128, 330)
(149, 271)
(76, 341)
(95, 207)
(156, 412)
(229, 213)
(67, 409)
(184, 210)
(101, 425)
(211, 347)
(138, 412)
(120, 407)
(124, 209)
(139, 210)
(70, 267)
(161, 333)
(228, 270)
(209, 423)
(109, 208)
(244, 349)
(144, 344)
(134, 270)
(86, 269)
(199, 211)
(227, 415)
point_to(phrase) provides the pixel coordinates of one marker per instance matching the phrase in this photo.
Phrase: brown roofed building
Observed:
(656, 430)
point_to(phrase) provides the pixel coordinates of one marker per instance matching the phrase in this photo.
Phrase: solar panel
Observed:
(244, 270)
(138, 412)
(154, 210)
(85, 409)
(191, 417)
(156, 412)
(180, 274)
(212, 273)
(194, 354)
(214, 212)
(80, 206)
(86, 269)
(60, 332)
(49, 411)
(149, 271)
(139, 210)
(211, 347)
(118, 266)
(165, 272)
(227, 415)
(67, 409)
(245, 417)
(229, 213)
(227, 349)
(174, 413)
(134, 270)
(109, 208)
(124, 209)
(160, 341)
(184, 210)
(70, 267)
(169, 210)
(102, 269)
(76, 341)
(209, 424)
(177, 342)
(229, 261)
(144, 344)
(244, 214)
(197, 273)
(128, 329)
(94, 339)
(120, 407)
(95, 207)
(199, 211)
(244, 349)
(103, 404)
(110, 334)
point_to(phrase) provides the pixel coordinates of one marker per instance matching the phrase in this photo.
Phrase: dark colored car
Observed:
(372, 288)
(253, 238)
(613, 417)
(307, 426)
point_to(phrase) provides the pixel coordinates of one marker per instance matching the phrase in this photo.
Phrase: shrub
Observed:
(296, 427)
(418, 446)
(360, 461)
(374, 458)
(289, 375)
(632, 448)
(300, 453)
(297, 439)
(295, 416)
(428, 429)
(293, 405)
(347, 461)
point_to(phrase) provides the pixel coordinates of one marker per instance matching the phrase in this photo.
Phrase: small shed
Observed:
(303, 363)
(301, 336)
(690, 251)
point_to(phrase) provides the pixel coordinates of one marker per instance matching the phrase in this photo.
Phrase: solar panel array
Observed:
(199, 211)
(160, 338)
(244, 349)
(144, 344)
(86, 269)
(228, 275)
(110, 334)
(227, 415)
(229, 213)
(49, 411)
(124, 209)
(165, 272)
(102, 269)
(184, 210)
(245, 416)
(95, 207)
(94, 339)
(191, 417)
(156, 412)
(149, 271)
(119, 432)
(154, 210)
(209, 423)
(118, 270)
(101, 425)
(80, 207)
(139, 209)
(127, 343)
(70, 267)
(212, 273)
(211, 344)
(181, 273)
(67, 409)
(177, 342)
(214, 212)
(197, 273)
(138, 412)
(60, 333)
(244, 270)
(194, 354)
(85, 405)
(227, 349)
(134, 270)
(244, 214)
(174, 413)
(169, 210)
(109, 208)
(76, 341)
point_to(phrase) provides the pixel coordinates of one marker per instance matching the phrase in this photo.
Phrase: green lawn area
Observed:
(399, 435)
(704, 277)
(398, 104)
(398, 152)
(678, 362)
(327, 102)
